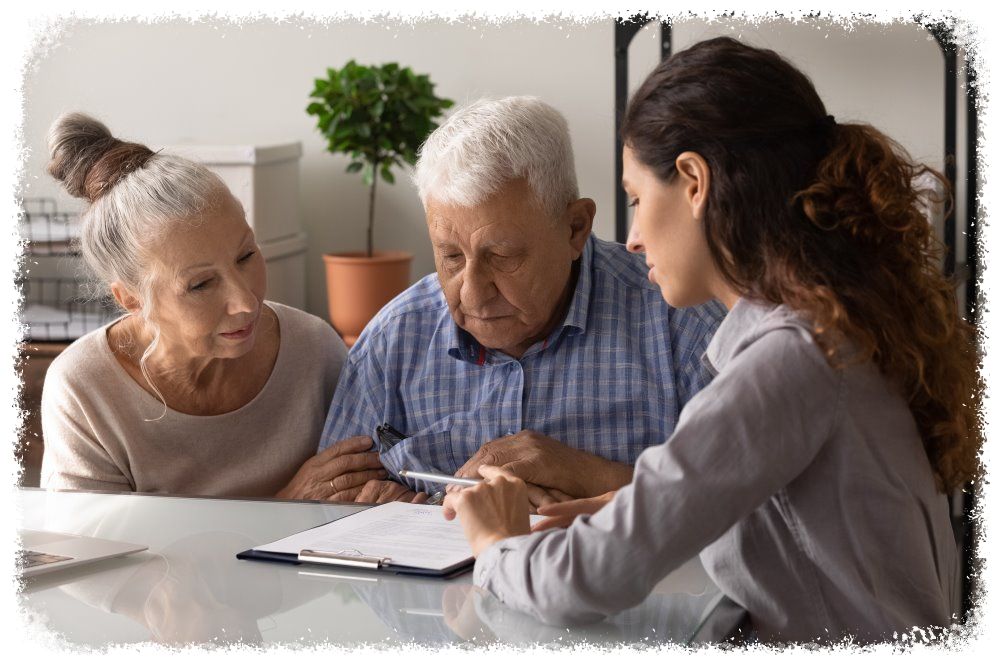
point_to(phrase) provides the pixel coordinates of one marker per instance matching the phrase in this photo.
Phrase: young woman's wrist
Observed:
(484, 541)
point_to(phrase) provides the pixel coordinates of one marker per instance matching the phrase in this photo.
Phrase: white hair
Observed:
(489, 143)
(134, 201)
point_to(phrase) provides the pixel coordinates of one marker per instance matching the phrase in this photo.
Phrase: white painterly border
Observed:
(27, 32)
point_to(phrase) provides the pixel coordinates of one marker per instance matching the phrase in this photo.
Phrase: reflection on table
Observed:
(190, 588)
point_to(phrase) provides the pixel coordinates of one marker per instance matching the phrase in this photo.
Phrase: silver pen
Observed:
(440, 478)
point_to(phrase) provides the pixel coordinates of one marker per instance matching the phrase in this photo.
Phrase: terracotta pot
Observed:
(357, 286)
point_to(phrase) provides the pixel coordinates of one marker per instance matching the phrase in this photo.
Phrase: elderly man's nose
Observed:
(477, 286)
(634, 241)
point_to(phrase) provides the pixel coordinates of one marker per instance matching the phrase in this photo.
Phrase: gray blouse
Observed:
(805, 489)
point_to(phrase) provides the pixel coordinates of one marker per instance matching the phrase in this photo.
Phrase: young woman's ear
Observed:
(696, 176)
(126, 298)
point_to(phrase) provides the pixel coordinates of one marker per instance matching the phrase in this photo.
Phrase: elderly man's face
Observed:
(505, 265)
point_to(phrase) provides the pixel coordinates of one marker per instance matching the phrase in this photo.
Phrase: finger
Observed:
(560, 495)
(537, 496)
(551, 523)
(491, 472)
(352, 462)
(570, 508)
(392, 491)
(468, 470)
(347, 495)
(369, 493)
(352, 479)
(351, 445)
(450, 505)
(419, 498)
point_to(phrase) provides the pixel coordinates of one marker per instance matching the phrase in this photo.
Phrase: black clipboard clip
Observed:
(343, 558)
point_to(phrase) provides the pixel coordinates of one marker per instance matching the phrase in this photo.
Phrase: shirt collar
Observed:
(463, 347)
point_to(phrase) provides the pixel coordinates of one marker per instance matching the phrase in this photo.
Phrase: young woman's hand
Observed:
(563, 513)
(491, 511)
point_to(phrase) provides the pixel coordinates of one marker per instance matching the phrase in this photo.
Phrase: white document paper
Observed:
(410, 535)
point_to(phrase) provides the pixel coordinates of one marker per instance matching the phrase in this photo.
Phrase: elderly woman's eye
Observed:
(247, 256)
(633, 202)
(199, 286)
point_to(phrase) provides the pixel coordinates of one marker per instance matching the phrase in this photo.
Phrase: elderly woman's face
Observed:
(209, 286)
(504, 266)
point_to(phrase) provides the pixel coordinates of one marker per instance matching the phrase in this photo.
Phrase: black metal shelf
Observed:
(56, 308)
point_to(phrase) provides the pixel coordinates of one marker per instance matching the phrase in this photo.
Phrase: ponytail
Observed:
(897, 309)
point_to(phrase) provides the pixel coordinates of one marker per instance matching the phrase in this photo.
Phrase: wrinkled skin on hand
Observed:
(338, 473)
(560, 471)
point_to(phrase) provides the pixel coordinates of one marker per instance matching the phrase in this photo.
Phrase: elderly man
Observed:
(535, 346)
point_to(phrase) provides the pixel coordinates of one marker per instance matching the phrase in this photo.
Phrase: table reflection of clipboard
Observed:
(398, 537)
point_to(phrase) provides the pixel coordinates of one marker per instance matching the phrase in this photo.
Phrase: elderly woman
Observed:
(201, 387)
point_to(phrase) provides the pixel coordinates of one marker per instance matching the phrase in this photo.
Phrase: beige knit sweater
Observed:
(97, 438)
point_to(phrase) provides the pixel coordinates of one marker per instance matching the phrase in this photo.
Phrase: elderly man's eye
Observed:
(506, 263)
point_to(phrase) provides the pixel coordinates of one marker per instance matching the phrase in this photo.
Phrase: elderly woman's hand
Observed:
(337, 473)
(493, 510)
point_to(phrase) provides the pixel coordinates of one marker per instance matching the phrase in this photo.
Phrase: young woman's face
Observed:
(667, 229)
(210, 282)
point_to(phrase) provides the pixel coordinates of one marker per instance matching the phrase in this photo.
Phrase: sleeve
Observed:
(691, 329)
(74, 457)
(336, 355)
(740, 441)
(359, 399)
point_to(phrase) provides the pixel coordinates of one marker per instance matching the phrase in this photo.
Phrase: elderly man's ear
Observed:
(580, 214)
(125, 297)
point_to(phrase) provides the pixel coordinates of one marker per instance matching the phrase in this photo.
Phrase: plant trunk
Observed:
(371, 211)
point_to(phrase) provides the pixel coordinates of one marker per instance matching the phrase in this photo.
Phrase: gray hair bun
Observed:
(87, 159)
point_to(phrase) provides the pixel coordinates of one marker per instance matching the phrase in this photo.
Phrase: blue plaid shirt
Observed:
(611, 380)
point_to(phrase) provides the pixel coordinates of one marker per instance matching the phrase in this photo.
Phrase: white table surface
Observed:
(190, 588)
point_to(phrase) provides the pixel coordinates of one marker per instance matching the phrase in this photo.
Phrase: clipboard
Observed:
(355, 563)
(417, 532)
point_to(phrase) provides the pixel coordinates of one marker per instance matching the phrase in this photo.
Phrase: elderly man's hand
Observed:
(380, 492)
(337, 473)
(548, 463)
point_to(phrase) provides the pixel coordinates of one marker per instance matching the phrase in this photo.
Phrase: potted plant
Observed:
(379, 115)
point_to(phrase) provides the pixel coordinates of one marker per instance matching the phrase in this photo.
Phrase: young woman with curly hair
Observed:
(811, 473)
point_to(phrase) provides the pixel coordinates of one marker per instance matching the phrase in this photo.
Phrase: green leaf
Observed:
(355, 167)
(378, 114)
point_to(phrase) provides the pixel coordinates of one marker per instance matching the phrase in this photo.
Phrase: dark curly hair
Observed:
(824, 218)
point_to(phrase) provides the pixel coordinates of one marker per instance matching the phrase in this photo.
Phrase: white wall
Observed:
(174, 82)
